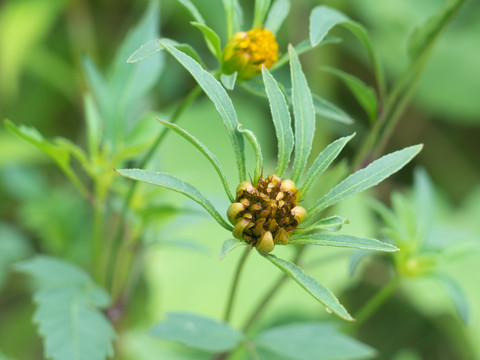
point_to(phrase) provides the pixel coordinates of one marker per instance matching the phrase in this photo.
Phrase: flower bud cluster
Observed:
(246, 52)
(266, 214)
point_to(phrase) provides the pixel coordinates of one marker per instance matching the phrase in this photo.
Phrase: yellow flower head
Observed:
(246, 52)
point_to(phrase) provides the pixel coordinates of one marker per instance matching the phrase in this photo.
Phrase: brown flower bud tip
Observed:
(240, 226)
(245, 186)
(233, 210)
(299, 213)
(266, 244)
(288, 185)
(282, 237)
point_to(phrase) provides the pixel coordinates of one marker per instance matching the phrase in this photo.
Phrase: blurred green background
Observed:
(42, 43)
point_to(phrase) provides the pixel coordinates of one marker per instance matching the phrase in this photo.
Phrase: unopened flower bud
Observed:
(233, 210)
(288, 185)
(245, 186)
(265, 244)
(240, 227)
(299, 213)
(282, 237)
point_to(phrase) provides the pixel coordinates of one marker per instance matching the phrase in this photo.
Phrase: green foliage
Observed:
(277, 14)
(197, 332)
(341, 240)
(312, 286)
(229, 245)
(321, 341)
(13, 248)
(68, 310)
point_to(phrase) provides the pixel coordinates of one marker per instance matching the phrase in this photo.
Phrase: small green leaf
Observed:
(457, 295)
(198, 332)
(341, 240)
(281, 120)
(312, 286)
(364, 94)
(323, 19)
(306, 341)
(68, 314)
(304, 47)
(332, 223)
(234, 15)
(222, 102)
(229, 245)
(211, 39)
(322, 162)
(252, 139)
(423, 37)
(94, 125)
(328, 110)
(357, 257)
(193, 11)
(304, 114)
(367, 177)
(277, 14)
(259, 12)
(146, 50)
(175, 184)
(424, 202)
(203, 149)
(229, 80)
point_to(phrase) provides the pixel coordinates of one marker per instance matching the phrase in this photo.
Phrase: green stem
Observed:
(233, 288)
(268, 297)
(116, 244)
(375, 302)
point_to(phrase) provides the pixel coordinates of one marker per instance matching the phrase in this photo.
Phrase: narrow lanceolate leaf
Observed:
(211, 39)
(332, 223)
(311, 340)
(203, 149)
(281, 120)
(457, 296)
(229, 245)
(328, 110)
(197, 332)
(323, 161)
(341, 240)
(234, 15)
(323, 19)
(193, 11)
(304, 114)
(68, 312)
(367, 177)
(261, 9)
(222, 102)
(364, 94)
(229, 80)
(312, 286)
(252, 139)
(175, 184)
(277, 14)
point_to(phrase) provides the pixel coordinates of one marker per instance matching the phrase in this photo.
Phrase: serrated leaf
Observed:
(198, 332)
(312, 286)
(304, 114)
(364, 94)
(281, 120)
(457, 296)
(332, 223)
(324, 18)
(229, 245)
(306, 341)
(259, 12)
(193, 11)
(229, 80)
(175, 184)
(367, 177)
(67, 311)
(322, 162)
(277, 14)
(328, 110)
(222, 102)
(211, 39)
(203, 149)
(341, 240)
